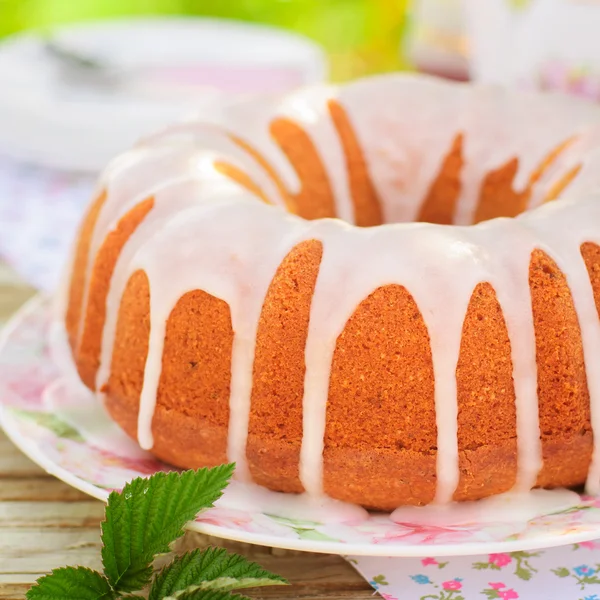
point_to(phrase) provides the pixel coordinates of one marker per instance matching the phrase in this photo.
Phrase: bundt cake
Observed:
(386, 292)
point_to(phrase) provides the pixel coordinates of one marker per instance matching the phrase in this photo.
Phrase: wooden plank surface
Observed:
(45, 524)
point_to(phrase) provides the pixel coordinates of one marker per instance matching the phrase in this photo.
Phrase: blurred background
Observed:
(82, 80)
(360, 36)
(121, 68)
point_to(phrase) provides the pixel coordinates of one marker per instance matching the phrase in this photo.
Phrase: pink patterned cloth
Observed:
(39, 213)
(565, 573)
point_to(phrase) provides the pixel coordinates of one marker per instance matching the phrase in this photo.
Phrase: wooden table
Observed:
(45, 524)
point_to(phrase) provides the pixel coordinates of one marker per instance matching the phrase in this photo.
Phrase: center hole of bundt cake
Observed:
(498, 194)
(503, 191)
(399, 185)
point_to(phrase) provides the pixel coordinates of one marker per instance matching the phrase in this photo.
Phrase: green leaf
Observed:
(491, 594)
(76, 583)
(480, 566)
(561, 571)
(148, 515)
(213, 568)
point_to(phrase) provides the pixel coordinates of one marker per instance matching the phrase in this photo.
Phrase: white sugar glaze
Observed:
(301, 507)
(510, 507)
(405, 127)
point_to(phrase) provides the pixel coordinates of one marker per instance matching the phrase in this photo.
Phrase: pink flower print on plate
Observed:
(507, 594)
(500, 560)
(591, 545)
(452, 584)
(500, 592)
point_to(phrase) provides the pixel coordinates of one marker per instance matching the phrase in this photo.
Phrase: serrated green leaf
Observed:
(224, 586)
(196, 594)
(213, 568)
(76, 583)
(561, 571)
(148, 515)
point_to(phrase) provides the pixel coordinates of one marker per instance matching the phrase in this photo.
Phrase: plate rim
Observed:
(31, 450)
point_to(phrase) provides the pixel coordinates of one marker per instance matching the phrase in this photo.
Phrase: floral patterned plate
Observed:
(27, 370)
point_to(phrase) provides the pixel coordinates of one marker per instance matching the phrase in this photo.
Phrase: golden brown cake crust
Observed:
(498, 198)
(315, 199)
(379, 411)
(275, 428)
(486, 401)
(130, 350)
(380, 445)
(192, 413)
(439, 204)
(591, 255)
(367, 205)
(90, 342)
(79, 270)
(564, 400)
(380, 441)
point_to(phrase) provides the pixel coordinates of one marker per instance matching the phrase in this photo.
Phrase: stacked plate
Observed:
(76, 98)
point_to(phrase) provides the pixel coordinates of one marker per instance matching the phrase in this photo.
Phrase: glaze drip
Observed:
(209, 230)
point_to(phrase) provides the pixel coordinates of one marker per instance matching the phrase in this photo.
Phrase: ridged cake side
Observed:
(381, 412)
(382, 433)
(192, 412)
(275, 428)
(380, 443)
(563, 396)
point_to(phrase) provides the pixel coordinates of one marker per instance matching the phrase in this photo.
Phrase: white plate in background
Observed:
(102, 85)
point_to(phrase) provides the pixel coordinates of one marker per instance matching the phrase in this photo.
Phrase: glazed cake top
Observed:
(242, 192)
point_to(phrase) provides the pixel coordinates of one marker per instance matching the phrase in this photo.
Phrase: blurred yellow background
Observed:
(360, 36)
